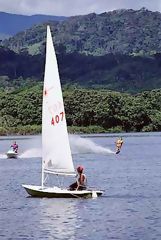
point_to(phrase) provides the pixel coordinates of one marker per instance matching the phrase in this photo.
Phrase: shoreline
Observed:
(36, 130)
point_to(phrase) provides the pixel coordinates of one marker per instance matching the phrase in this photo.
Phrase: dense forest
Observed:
(86, 111)
(120, 31)
(116, 72)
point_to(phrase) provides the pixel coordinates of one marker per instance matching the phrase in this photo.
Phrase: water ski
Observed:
(118, 151)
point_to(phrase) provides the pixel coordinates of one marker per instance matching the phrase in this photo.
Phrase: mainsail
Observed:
(56, 153)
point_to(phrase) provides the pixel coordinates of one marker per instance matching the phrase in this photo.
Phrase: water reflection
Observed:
(58, 218)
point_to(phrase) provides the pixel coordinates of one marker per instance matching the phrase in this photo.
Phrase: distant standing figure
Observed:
(15, 147)
(81, 181)
(119, 144)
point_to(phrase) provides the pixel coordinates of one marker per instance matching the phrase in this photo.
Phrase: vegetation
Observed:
(118, 50)
(120, 31)
(86, 111)
(114, 72)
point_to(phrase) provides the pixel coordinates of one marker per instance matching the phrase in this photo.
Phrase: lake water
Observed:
(129, 209)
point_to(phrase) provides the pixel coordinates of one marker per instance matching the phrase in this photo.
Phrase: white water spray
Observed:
(32, 153)
(2, 156)
(78, 145)
(83, 145)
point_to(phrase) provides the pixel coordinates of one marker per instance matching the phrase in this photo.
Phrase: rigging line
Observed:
(46, 178)
(58, 180)
(62, 182)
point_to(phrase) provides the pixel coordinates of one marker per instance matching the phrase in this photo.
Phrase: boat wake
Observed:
(31, 153)
(2, 156)
(81, 145)
(78, 146)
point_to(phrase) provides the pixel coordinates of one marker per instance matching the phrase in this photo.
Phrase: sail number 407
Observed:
(57, 118)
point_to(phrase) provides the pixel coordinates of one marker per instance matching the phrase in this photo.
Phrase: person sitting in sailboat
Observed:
(81, 181)
(14, 146)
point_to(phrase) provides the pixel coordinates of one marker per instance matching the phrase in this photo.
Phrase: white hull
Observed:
(12, 155)
(56, 192)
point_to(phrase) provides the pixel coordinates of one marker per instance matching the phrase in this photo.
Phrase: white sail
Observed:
(56, 153)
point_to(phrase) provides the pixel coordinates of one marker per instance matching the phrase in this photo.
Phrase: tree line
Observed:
(86, 110)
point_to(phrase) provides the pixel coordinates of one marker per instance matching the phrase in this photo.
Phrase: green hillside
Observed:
(114, 72)
(120, 31)
(118, 50)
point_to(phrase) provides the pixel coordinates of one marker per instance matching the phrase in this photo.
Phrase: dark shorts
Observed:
(75, 185)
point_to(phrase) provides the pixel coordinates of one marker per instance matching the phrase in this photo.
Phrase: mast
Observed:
(42, 175)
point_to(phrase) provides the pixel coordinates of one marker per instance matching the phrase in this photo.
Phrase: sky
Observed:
(73, 7)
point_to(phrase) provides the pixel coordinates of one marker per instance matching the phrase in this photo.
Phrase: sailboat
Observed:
(56, 153)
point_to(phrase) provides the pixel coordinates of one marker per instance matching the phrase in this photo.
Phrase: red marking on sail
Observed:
(52, 121)
(45, 92)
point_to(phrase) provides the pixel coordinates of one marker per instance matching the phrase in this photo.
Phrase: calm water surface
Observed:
(129, 209)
